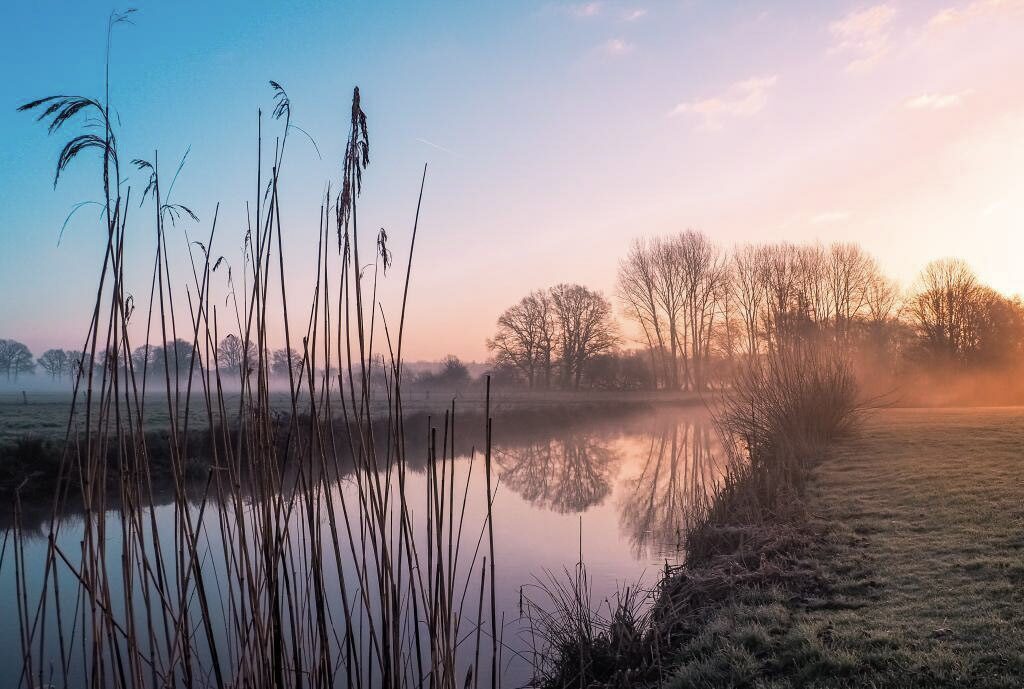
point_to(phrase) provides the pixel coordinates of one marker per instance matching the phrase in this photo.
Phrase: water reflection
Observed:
(658, 464)
(681, 466)
(630, 478)
(570, 473)
(649, 468)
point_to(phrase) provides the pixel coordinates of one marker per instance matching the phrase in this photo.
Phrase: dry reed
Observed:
(274, 575)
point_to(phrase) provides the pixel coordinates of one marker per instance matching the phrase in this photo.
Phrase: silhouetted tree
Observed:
(453, 371)
(675, 288)
(174, 359)
(54, 362)
(452, 374)
(637, 289)
(78, 363)
(525, 338)
(748, 291)
(231, 354)
(15, 359)
(281, 359)
(585, 329)
(144, 358)
(944, 308)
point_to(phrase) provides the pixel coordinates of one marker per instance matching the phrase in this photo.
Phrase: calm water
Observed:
(614, 490)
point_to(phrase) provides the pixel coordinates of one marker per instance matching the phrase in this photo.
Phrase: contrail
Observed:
(437, 146)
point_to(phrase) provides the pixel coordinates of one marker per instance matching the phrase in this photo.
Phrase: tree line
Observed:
(697, 309)
(175, 359)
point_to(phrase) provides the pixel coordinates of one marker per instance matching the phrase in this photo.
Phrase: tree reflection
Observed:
(567, 474)
(680, 466)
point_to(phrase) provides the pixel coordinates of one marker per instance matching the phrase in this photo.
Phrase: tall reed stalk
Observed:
(267, 573)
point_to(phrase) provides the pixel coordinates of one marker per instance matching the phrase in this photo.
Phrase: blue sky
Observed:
(555, 133)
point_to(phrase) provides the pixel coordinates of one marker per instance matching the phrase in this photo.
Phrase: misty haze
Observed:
(559, 345)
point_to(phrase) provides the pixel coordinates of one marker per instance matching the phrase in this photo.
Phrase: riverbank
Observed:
(43, 414)
(30, 461)
(899, 563)
(906, 571)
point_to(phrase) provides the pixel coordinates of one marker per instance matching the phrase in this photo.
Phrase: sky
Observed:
(555, 134)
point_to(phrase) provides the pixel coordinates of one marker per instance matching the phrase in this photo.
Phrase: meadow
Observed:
(909, 572)
(45, 414)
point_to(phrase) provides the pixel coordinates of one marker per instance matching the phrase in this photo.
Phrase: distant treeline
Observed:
(174, 360)
(699, 309)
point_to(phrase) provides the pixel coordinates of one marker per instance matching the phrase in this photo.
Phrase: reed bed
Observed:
(273, 576)
(746, 534)
(776, 421)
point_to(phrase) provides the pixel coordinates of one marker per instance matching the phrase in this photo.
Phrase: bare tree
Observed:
(810, 310)
(78, 363)
(880, 298)
(585, 329)
(669, 290)
(637, 290)
(748, 290)
(15, 359)
(942, 307)
(779, 274)
(143, 359)
(6, 356)
(850, 274)
(676, 289)
(231, 354)
(702, 266)
(525, 338)
(54, 362)
(281, 359)
(453, 372)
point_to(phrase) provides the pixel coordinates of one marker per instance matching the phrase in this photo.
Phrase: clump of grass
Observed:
(577, 642)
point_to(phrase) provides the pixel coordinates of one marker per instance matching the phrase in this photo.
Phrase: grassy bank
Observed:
(906, 569)
(900, 564)
(776, 421)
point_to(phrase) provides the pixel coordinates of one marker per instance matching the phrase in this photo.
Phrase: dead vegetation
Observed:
(749, 537)
(270, 576)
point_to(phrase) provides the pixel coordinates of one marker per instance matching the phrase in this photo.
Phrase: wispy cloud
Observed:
(634, 14)
(955, 16)
(743, 99)
(936, 101)
(586, 9)
(616, 47)
(864, 35)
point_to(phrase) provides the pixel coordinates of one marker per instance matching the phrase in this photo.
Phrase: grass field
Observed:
(44, 414)
(915, 578)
